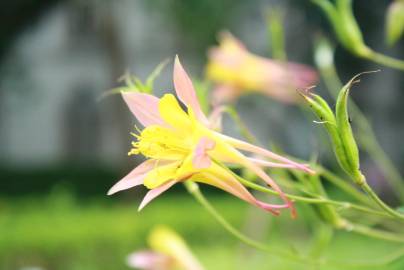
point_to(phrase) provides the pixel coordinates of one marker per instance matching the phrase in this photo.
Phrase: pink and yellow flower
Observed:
(180, 145)
(168, 252)
(237, 71)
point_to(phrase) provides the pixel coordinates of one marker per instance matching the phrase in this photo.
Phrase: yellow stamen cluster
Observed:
(159, 143)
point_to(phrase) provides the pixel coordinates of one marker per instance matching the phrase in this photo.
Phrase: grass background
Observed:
(60, 231)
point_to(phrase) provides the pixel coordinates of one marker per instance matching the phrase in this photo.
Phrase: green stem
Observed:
(245, 132)
(322, 238)
(374, 233)
(343, 205)
(274, 18)
(365, 187)
(194, 190)
(343, 185)
(385, 60)
(385, 164)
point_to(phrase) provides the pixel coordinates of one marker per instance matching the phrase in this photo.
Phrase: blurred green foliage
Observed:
(198, 21)
(58, 231)
(81, 179)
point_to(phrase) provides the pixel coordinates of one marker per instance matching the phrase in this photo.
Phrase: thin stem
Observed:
(319, 200)
(245, 132)
(322, 238)
(374, 233)
(194, 190)
(343, 205)
(365, 187)
(385, 164)
(274, 19)
(385, 60)
(343, 185)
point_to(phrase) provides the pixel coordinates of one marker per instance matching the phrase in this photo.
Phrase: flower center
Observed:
(160, 143)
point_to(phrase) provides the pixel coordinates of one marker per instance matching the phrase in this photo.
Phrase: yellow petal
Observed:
(222, 150)
(173, 114)
(160, 175)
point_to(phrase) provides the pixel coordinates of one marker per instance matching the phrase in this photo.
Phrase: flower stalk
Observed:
(194, 190)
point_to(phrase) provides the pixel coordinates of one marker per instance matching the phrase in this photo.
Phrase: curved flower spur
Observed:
(180, 145)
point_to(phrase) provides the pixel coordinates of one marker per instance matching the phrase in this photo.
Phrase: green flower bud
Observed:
(326, 116)
(348, 141)
(345, 130)
(394, 22)
(339, 129)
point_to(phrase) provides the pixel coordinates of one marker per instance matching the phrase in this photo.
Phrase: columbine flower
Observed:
(168, 252)
(180, 146)
(237, 71)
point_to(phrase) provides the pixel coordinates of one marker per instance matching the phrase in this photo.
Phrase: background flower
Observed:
(236, 71)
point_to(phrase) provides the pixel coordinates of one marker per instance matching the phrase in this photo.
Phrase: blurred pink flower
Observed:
(236, 71)
(149, 260)
(168, 252)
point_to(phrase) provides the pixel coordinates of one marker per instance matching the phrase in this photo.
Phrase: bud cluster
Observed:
(338, 127)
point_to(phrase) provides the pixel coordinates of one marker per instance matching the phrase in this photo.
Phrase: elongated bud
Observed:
(394, 22)
(345, 130)
(339, 128)
(326, 116)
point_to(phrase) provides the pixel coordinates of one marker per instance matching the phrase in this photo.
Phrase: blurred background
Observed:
(62, 147)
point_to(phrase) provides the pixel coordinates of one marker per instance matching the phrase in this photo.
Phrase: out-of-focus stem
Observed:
(343, 185)
(274, 20)
(374, 233)
(245, 132)
(194, 190)
(385, 60)
(341, 224)
(365, 187)
(322, 238)
(343, 205)
(385, 164)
